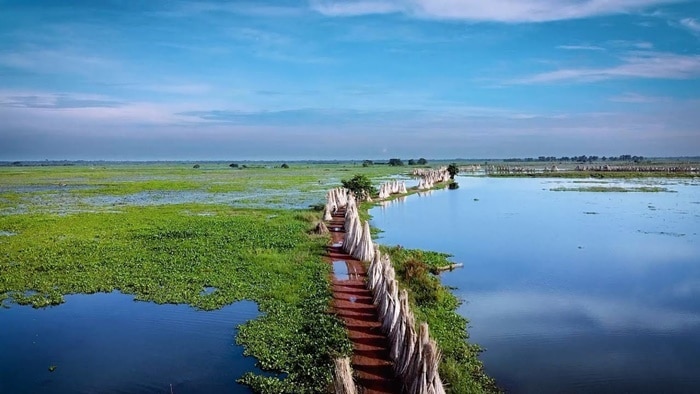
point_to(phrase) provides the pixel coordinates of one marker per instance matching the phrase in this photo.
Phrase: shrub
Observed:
(361, 186)
(453, 170)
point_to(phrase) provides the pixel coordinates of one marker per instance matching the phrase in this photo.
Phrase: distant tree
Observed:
(284, 165)
(195, 166)
(453, 170)
(422, 161)
(360, 185)
(411, 162)
(367, 163)
(233, 165)
(395, 162)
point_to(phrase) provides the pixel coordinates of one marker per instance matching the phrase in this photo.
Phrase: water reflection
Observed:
(110, 343)
(538, 313)
(394, 201)
(569, 292)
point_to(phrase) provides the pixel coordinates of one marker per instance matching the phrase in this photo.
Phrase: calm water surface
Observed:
(569, 291)
(108, 343)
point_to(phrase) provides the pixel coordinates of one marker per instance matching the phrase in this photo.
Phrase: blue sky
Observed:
(325, 79)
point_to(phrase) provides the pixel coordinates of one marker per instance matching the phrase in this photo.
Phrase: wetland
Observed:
(568, 292)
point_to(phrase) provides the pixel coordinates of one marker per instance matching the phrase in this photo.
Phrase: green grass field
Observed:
(165, 232)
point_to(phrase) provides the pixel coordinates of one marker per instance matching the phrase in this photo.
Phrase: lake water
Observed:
(108, 343)
(569, 291)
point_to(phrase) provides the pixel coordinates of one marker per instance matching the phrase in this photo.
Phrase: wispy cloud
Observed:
(627, 44)
(54, 60)
(510, 11)
(259, 37)
(24, 99)
(56, 109)
(651, 65)
(192, 8)
(581, 47)
(504, 308)
(636, 98)
(355, 8)
(643, 45)
(177, 88)
(271, 45)
(691, 24)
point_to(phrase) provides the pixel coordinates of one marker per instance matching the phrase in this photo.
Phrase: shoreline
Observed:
(436, 304)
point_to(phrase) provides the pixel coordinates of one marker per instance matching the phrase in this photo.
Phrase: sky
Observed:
(351, 79)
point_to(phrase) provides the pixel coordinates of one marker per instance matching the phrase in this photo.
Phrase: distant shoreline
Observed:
(66, 162)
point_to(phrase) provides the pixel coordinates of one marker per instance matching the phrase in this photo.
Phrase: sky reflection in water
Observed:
(569, 291)
(108, 343)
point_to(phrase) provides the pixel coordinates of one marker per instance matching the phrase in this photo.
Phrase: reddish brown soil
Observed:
(353, 303)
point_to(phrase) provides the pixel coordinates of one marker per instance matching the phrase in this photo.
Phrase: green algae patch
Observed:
(171, 253)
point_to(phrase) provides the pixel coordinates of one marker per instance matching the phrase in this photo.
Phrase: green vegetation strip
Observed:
(169, 254)
(434, 303)
(84, 188)
(598, 174)
(612, 189)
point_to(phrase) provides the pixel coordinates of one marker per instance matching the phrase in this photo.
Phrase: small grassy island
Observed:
(166, 232)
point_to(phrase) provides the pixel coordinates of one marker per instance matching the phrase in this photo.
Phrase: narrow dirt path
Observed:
(353, 303)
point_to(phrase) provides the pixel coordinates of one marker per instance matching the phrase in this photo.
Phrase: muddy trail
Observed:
(353, 304)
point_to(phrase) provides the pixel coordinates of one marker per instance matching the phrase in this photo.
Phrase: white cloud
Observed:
(581, 47)
(354, 8)
(50, 110)
(691, 24)
(510, 11)
(53, 61)
(643, 45)
(260, 37)
(183, 88)
(626, 44)
(652, 65)
(636, 98)
(38, 99)
(188, 9)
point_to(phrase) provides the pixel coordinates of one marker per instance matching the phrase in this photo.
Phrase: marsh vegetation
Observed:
(206, 237)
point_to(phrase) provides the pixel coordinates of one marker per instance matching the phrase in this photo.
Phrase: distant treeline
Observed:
(579, 159)
(37, 163)
(396, 162)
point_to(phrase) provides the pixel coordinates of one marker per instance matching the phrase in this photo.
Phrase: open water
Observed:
(109, 343)
(569, 291)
